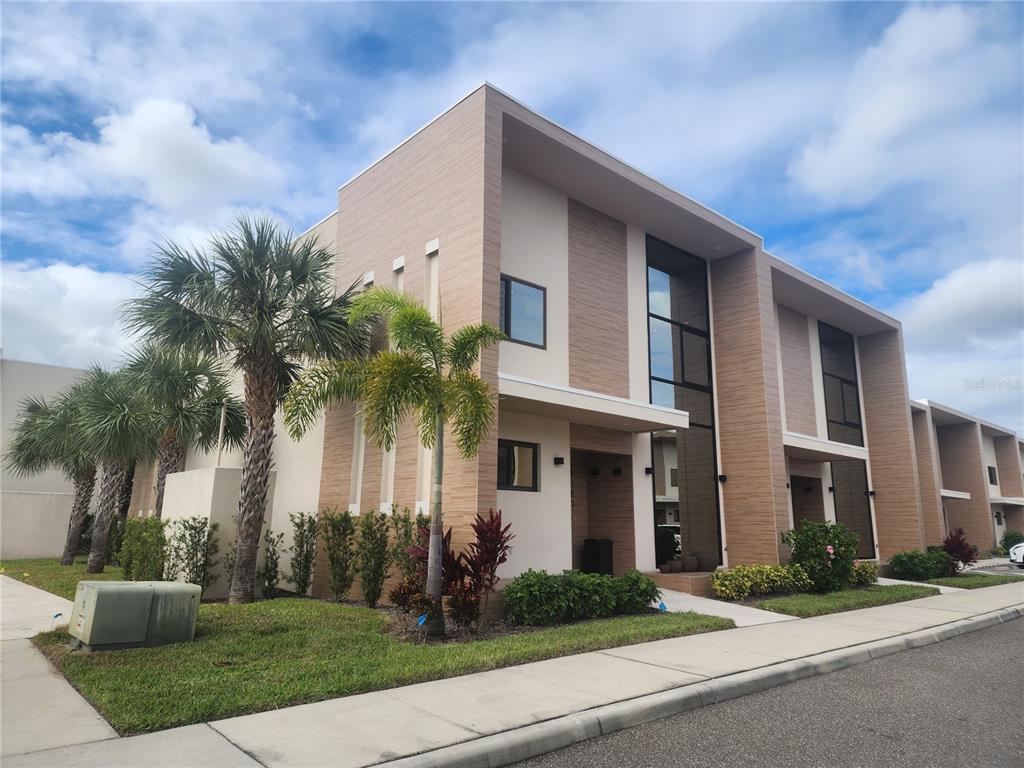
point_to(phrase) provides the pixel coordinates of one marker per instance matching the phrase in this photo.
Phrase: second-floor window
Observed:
(842, 395)
(522, 310)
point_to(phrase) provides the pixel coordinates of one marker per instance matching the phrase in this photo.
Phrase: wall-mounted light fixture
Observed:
(871, 493)
(559, 461)
(831, 489)
(648, 470)
(616, 470)
(722, 478)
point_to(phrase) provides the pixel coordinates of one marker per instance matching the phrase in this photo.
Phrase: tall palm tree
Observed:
(422, 373)
(266, 300)
(46, 436)
(188, 392)
(121, 428)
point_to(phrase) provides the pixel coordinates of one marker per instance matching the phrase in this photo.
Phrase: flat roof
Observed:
(949, 415)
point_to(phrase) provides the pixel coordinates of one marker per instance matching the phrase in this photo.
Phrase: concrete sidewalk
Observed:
(498, 717)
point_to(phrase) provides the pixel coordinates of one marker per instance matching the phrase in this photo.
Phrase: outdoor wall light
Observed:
(722, 478)
(871, 493)
(559, 461)
(831, 489)
(617, 470)
(648, 470)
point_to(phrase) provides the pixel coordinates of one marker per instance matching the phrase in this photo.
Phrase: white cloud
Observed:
(63, 313)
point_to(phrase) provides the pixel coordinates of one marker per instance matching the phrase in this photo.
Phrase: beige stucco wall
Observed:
(33, 524)
(535, 248)
(541, 520)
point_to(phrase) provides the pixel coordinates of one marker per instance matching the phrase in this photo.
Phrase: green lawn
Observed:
(976, 580)
(276, 653)
(54, 577)
(806, 605)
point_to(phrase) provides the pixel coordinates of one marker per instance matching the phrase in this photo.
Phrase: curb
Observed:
(511, 746)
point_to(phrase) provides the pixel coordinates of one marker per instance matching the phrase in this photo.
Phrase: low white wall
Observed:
(33, 524)
(212, 493)
(541, 520)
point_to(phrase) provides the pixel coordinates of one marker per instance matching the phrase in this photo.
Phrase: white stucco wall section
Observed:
(988, 456)
(541, 520)
(535, 248)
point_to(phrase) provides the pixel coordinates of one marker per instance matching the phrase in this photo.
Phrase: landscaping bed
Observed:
(805, 605)
(277, 653)
(976, 580)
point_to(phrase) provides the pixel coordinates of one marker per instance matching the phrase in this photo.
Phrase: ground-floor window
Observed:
(517, 465)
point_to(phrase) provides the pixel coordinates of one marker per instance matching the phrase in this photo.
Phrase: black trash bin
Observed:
(597, 556)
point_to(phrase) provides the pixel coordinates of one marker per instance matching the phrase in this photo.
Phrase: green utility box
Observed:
(132, 614)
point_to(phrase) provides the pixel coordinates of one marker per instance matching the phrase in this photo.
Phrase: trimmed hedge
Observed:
(825, 551)
(538, 598)
(745, 581)
(915, 565)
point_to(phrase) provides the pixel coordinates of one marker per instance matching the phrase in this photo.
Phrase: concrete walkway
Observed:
(497, 717)
(743, 615)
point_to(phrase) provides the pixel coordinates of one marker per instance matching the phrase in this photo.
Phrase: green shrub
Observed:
(825, 551)
(538, 597)
(374, 555)
(303, 550)
(403, 538)
(634, 592)
(535, 598)
(192, 550)
(114, 539)
(1011, 539)
(270, 573)
(587, 595)
(464, 605)
(745, 581)
(143, 549)
(914, 565)
(865, 573)
(338, 530)
(664, 544)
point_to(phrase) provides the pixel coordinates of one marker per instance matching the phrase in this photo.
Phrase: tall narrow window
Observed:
(993, 478)
(522, 312)
(853, 507)
(685, 468)
(842, 395)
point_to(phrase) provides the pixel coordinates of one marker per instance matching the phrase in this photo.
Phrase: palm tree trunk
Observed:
(84, 484)
(435, 558)
(170, 458)
(113, 476)
(258, 458)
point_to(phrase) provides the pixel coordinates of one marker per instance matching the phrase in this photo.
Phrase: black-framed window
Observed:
(522, 312)
(679, 341)
(842, 394)
(993, 478)
(853, 504)
(517, 465)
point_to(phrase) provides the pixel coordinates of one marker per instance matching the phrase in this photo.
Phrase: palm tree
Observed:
(423, 374)
(121, 428)
(266, 300)
(46, 436)
(188, 393)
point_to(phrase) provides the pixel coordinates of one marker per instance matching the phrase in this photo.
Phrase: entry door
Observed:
(808, 501)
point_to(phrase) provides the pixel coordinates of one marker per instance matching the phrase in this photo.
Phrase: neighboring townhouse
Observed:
(970, 474)
(662, 369)
(34, 510)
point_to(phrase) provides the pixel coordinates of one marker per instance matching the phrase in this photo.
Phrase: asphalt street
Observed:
(956, 703)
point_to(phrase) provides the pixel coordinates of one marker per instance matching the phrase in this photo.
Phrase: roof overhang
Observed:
(578, 406)
(807, 294)
(944, 415)
(946, 493)
(799, 446)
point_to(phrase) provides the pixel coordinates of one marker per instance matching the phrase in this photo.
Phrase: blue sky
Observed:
(877, 145)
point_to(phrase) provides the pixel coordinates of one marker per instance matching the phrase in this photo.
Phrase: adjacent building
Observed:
(970, 474)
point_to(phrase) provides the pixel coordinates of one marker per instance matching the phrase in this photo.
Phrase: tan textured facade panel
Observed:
(963, 470)
(891, 444)
(797, 380)
(598, 342)
(610, 506)
(1008, 465)
(587, 438)
(143, 489)
(749, 410)
(928, 478)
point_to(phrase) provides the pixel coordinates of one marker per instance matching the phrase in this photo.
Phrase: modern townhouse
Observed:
(662, 370)
(970, 474)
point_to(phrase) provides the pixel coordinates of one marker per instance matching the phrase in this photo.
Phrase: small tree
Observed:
(422, 373)
(303, 550)
(374, 555)
(826, 552)
(48, 435)
(403, 538)
(338, 532)
(270, 573)
(143, 553)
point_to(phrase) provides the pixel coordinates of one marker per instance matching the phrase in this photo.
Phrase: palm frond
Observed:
(330, 381)
(470, 407)
(465, 345)
(396, 383)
